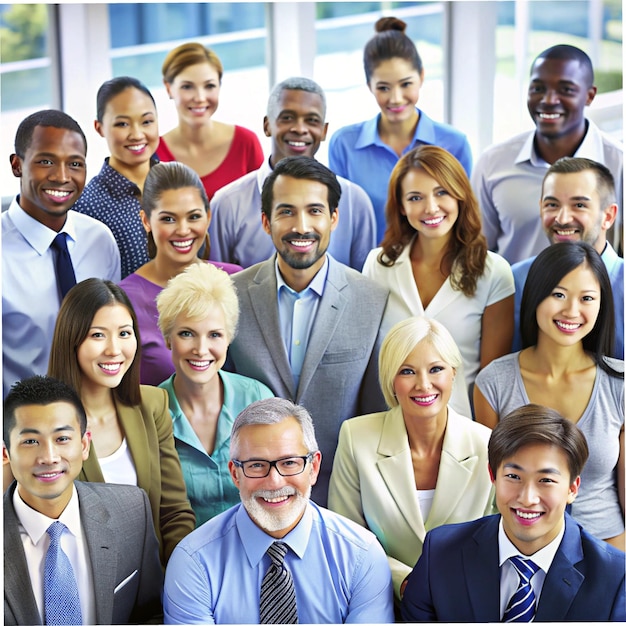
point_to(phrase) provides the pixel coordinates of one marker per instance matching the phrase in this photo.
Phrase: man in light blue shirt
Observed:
(578, 203)
(49, 160)
(296, 111)
(339, 570)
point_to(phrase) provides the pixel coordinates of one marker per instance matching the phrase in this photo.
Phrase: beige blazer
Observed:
(373, 484)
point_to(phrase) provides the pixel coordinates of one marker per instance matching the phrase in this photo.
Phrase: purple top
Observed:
(156, 360)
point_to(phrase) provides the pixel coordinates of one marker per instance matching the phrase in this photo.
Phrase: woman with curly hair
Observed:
(434, 261)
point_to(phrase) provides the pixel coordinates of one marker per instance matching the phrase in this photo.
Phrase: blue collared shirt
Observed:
(615, 268)
(30, 297)
(358, 153)
(297, 312)
(340, 571)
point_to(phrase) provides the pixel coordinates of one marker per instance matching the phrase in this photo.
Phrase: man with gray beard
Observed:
(277, 557)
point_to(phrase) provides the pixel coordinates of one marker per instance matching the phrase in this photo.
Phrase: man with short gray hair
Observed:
(277, 557)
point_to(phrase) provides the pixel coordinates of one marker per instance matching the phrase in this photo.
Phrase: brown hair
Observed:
(390, 42)
(182, 57)
(533, 424)
(76, 314)
(467, 248)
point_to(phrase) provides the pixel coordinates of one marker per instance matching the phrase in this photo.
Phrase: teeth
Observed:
(567, 326)
(524, 515)
(199, 109)
(566, 233)
(57, 194)
(110, 367)
(275, 500)
(200, 363)
(301, 243)
(137, 148)
(297, 144)
(182, 244)
(52, 475)
(426, 398)
(433, 221)
(549, 116)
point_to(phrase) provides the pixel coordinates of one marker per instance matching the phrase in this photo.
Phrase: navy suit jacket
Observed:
(457, 578)
(124, 554)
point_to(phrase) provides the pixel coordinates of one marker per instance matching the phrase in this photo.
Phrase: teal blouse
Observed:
(209, 486)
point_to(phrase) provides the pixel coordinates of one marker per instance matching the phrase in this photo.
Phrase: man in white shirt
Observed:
(49, 160)
(107, 534)
(533, 561)
(507, 178)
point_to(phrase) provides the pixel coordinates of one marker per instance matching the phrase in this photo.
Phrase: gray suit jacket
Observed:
(339, 377)
(123, 550)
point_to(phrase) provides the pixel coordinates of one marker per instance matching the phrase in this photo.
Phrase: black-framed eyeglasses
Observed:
(259, 468)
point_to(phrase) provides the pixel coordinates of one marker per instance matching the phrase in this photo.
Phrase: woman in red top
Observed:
(218, 152)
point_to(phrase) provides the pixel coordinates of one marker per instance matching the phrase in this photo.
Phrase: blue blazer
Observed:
(457, 578)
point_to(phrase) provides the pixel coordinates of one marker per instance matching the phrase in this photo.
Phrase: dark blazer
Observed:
(339, 377)
(457, 578)
(148, 432)
(123, 550)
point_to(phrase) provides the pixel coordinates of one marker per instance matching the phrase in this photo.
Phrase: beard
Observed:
(275, 521)
(302, 261)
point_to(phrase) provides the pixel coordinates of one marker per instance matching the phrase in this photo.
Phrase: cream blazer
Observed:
(373, 484)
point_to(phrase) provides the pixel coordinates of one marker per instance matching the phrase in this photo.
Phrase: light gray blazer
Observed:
(339, 377)
(122, 545)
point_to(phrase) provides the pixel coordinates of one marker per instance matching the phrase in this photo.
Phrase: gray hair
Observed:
(295, 83)
(273, 411)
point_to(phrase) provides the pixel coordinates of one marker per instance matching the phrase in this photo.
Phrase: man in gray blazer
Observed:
(309, 326)
(107, 535)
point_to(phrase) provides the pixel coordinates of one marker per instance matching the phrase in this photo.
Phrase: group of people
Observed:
(270, 391)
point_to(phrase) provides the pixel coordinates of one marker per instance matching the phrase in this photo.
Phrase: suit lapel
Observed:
(133, 425)
(402, 282)
(102, 546)
(563, 580)
(396, 469)
(481, 571)
(18, 591)
(263, 299)
(329, 312)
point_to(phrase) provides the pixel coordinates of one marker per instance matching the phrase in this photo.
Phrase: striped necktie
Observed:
(521, 606)
(278, 594)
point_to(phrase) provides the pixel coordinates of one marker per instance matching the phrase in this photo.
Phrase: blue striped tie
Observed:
(61, 601)
(278, 594)
(521, 606)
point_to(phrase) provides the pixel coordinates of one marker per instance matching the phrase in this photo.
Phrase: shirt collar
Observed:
(255, 541)
(36, 524)
(262, 173)
(316, 285)
(369, 135)
(543, 558)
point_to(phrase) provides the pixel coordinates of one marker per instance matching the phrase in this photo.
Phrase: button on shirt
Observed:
(509, 578)
(340, 571)
(30, 298)
(297, 313)
(35, 539)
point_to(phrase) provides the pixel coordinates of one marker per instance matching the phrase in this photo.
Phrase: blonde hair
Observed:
(401, 341)
(186, 55)
(194, 292)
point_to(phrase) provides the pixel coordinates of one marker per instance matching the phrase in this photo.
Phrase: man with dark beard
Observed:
(277, 557)
(309, 327)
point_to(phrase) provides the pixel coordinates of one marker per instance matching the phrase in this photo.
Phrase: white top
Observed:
(119, 467)
(462, 316)
(33, 526)
(425, 499)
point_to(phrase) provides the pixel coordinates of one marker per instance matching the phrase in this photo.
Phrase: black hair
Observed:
(564, 52)
(115, 86)
(48, 117)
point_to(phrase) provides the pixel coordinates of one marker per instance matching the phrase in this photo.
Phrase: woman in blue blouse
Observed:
(365, 153)
(198, 314)
(126, 117)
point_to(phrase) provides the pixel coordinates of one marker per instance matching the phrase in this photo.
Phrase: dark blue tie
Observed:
(60, 591)
(521, 606)
(66, 278)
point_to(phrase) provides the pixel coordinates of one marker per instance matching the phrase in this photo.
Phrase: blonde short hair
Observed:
(194, 292)
(401, 341)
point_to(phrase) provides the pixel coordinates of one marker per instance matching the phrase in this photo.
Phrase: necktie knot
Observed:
(277, 552)
(59, 243)
(55, 530)
(525, 568)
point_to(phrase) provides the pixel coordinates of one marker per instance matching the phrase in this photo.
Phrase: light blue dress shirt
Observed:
(615, 268)
(30, 297)
(237, 235)
(357, 153)
(210, 488)
(339, 569)
(297, 311)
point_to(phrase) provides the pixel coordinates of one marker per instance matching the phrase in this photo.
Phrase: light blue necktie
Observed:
(60, 591)
(521, 606)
